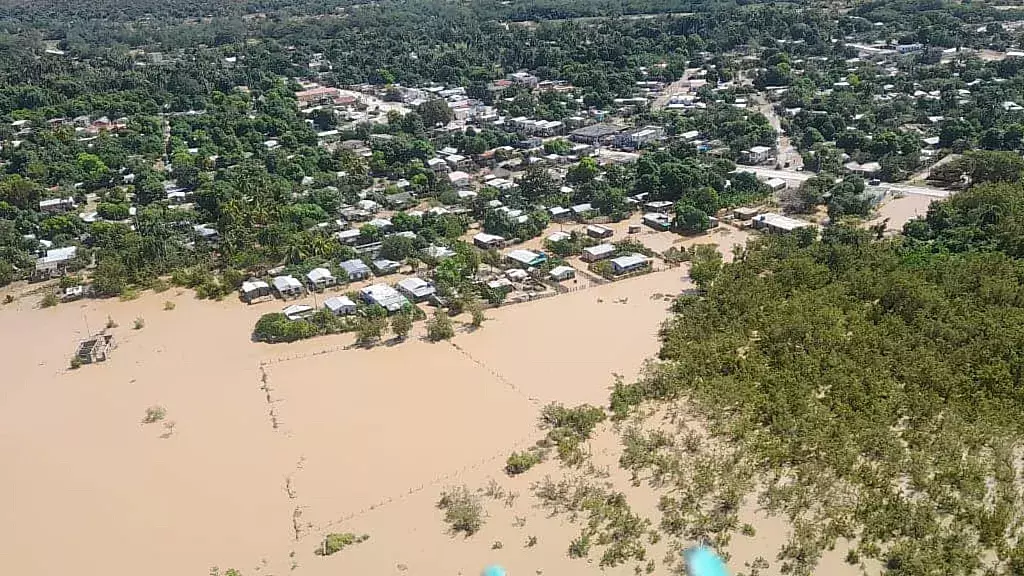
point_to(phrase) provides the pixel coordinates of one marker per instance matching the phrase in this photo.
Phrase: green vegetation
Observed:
(401, 324)
(568, 429)
(476, 313)
(139, 323)
(75, 363)
(519, 462)
(168, 305)
(440, 327)
(49, 300)
(154, 414)
(463, 511)
(333, 543)
(877, 373)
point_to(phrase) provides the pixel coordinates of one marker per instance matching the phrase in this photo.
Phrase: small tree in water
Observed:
(401, 324)
(440, 326)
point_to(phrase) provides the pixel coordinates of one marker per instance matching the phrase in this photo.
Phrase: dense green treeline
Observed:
(883, 374)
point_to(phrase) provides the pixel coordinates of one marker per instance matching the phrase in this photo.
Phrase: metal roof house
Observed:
(385, 266)
(485, 241)
(777, 223)
(526, 258)
(438, 252)
(599, 252)
(598, 231)
(350, 236)
(340, 305)
(630, 263)
(384, 296)
(320, 278)
(356, 269)
(298, 311)
(56, 261)
(561, 273)
(416, 289)
(287, 287)
(657, 220)
(253, 290)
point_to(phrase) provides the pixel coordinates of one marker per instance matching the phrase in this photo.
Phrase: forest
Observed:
(870, 391)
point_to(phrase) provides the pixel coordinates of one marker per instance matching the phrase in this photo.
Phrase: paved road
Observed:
(796, 177)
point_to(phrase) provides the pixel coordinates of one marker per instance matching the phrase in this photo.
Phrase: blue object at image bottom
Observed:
(702, 561)
(493, 570)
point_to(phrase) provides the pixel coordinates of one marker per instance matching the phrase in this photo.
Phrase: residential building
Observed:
(868, 169)
(559, 213)
(559, 236)
(599, 252)
(663, 206)
(438, 165)
(598, 231)
(350, 236)
(57, 205)
(776, 184)
(562, 273)
(320, 278)
(487, 241)
(384, 296)
(757, 155)
(298, 311)
(340, 305)
(630, 263)
(772, 222)
(595, 134)
(254, 290)
(583, 210)
(438, 253)
(384, 266)
(56, 261)
(287, 287)
(657, 220)
(517, 274)
(458, 178)
(355, 269)
(524, 78)
(525, 258)
(416, 289)
(640, 138)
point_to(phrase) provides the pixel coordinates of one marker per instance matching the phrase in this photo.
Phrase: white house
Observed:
(487, 241)
(384, 296)
(253, 290)
(562, 273)
(320, 278)
(56, 261)
(757, 154)
(340, 305)
(630, 263)
(525, 258)
(416, 289)
(777, 223)
(356, 269)
(458, 178)
(599, 252)
(287, 287)
(298, 311)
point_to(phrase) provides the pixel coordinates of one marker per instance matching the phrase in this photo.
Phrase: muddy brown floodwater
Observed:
(273, 446)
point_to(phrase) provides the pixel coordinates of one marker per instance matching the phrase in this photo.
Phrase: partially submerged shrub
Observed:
(154, 413)
(462, 510)
(519, 462)
(333, 543)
